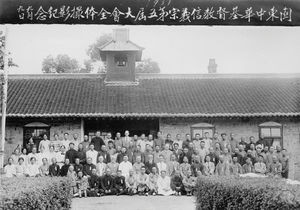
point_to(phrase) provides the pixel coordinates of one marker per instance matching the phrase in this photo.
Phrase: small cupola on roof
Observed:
(120, 55)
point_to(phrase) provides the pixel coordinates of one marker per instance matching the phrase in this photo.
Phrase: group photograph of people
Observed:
(126, 164)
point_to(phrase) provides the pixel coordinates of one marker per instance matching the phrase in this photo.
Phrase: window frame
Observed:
(202, 126)
(120, 58)
(270, 125)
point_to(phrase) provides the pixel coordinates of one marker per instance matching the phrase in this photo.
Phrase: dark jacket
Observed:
(82, 156)
(98, 142)
(78, 168)
(93, 181)
(149, 167)
(64, 170)
(71, 154)
(107, 182)
(120, 182)
(106, 156)
(87, 169)
(54, 170)
(176, 181)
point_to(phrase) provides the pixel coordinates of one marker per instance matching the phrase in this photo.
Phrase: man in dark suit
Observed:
(120, 184)
(104, 154)
(107, 184)
(71, 154)
(97, 141)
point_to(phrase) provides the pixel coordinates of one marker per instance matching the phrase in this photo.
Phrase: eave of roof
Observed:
(157, 115)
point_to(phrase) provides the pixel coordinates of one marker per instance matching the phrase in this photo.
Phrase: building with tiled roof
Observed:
(263, 105)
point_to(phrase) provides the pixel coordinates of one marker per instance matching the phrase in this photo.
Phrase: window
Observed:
(202, 128)
(35, 130)
(121, 60)
(271, 133)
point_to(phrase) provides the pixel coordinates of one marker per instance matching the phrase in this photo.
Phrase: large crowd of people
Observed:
(144, 165)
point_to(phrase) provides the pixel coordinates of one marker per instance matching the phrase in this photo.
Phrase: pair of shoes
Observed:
(117, 194)
(179, 193)
(154, 193)
(146, 194)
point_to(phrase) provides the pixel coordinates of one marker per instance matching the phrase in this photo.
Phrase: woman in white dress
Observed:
(33, 168)
(164, 184)
(20, 168)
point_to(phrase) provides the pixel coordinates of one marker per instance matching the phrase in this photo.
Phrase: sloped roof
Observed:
(120, 46)
(154, 96)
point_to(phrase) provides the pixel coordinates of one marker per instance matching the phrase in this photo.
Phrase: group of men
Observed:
(147, 165)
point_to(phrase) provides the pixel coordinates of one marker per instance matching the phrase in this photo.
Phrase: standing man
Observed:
(126, 140)
(97, 141)
(187, 141)
(85, 143)
(44, 144)
(159, 140)
(66, 142)
(71, 154)
(178, 141)
(207, 141)
(92, 153)
(75, 141)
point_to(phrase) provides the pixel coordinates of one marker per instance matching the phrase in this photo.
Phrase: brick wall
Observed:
(291, 133)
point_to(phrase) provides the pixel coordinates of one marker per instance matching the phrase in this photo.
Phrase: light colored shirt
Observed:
(10, 170)
(162, 167)
(44, 144)
(125, 167)
(92, 154)
(260, 168)
(100, 169)
(32, 170)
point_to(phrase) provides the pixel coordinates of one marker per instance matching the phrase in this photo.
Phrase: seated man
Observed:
(137, 166)
(176, 183)
(260, 166)
(153, 176)
(164, 184)
(93, 184)
(54, 169)
(275, 168)
(131, 183)
(185, 167)
(142, 182)
(107, 184)
(248, 167)
(120, 184)
(189, 183)
(88, 167)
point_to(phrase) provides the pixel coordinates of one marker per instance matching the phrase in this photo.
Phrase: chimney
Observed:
(121, 34)
(212, 66)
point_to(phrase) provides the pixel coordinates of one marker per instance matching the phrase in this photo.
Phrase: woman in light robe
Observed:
(33, 168)
(20, 168)
(164, 184)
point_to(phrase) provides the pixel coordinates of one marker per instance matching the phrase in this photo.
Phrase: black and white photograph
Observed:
(150, 117)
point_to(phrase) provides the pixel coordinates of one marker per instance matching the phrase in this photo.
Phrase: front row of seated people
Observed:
(141, 184)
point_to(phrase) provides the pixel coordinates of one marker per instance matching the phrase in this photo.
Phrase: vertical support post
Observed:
(82, 129)
(4, 99)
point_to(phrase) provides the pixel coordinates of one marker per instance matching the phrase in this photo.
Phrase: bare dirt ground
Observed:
(135, 203)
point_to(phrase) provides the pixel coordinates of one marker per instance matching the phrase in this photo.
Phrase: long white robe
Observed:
(164, 186)
(125, 167)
